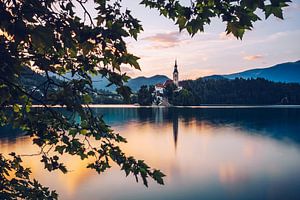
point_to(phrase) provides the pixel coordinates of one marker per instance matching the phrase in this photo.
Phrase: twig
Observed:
(86, 12)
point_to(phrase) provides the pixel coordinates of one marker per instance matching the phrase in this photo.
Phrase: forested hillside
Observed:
(237, 91)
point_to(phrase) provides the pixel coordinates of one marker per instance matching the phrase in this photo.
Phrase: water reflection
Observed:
(175, 129)
(281, 123)
(206, 154)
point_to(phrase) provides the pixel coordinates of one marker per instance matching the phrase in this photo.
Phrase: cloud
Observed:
(225, 36)
(279, 35)
(165, 40)
(128, 70)
(196, 73)
(253, 57)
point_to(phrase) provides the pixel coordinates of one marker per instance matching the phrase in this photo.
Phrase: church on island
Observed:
(160, 87)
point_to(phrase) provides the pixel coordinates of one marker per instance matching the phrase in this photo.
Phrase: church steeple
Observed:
(175, 74)
(175, 67)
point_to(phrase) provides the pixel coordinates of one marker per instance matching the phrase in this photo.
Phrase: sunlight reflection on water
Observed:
(205, 153)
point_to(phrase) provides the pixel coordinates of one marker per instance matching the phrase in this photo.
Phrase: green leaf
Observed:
(276, 11)
(27, 108)
(83, 132)
(87, 99)
(16, 108)
(87, 47)
(60, 149)
(181, 22)
(132, 60)
(63, 169)
(157, 175)
(235, 29)
(73, 132)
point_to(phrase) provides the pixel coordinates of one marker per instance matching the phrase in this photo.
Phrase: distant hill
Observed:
(286, 72)
(30, 78)
(215, 77)
(98, 82)
(136, 83)
(101, 83)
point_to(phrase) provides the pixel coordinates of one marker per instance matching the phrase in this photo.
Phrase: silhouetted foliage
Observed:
(145, 95)
(183, 98)
(238, 91)
(20, 186)
(169, 92)
(238, 15)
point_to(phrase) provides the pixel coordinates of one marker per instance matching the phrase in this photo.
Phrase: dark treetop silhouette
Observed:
(49, 37)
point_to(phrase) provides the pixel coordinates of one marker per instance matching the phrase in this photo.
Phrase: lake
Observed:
(206, 153)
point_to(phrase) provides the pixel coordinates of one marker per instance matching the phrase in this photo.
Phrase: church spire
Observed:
(175, 67)
(175, 74)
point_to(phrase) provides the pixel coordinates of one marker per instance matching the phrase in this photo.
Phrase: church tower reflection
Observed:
(175, 127)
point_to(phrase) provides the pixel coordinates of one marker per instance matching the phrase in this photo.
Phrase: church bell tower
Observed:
(175, 74)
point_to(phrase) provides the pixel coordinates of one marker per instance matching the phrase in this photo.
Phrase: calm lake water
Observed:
(206, 153)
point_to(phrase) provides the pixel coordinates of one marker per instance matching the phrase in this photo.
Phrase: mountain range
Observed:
(288, 72)
(285, 72)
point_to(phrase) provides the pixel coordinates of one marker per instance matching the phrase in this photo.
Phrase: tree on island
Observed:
(169, 92)
(49, 37)
(145, 95)
(183, 98)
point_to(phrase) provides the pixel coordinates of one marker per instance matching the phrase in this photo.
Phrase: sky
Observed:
(271, 41)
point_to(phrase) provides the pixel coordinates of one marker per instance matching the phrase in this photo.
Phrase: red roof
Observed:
(168, 82)
(159, 85)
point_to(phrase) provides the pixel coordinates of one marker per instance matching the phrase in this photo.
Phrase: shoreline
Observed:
(200, 106)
